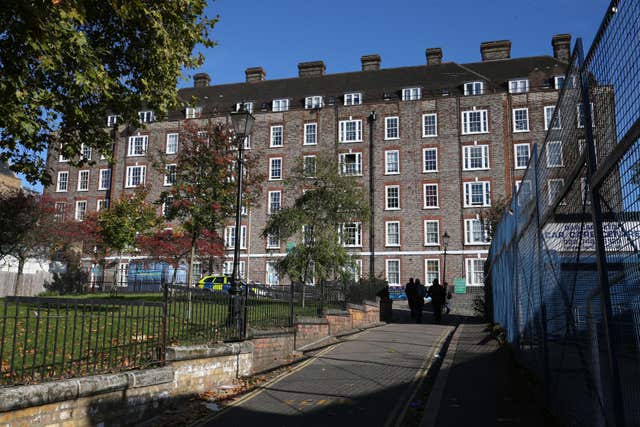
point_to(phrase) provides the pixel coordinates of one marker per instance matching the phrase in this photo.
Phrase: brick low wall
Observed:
(127, 398)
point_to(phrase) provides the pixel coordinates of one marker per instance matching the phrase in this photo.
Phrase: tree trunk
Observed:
(20, 277)
(191, 260)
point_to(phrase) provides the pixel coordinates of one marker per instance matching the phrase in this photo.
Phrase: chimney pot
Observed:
(499, 49)
(254, 74)
(561, 47)
(311, 69)
(201, 80)
(434, 55)
(370, 62)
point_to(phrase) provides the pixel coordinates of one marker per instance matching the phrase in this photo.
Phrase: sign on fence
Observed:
(459, 285)
(565, 237)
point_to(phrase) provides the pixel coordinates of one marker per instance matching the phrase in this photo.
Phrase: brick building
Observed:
(447, 139)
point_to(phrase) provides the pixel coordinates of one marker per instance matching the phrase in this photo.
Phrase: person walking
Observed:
(421, 291)
(411, 291)
(437, 294)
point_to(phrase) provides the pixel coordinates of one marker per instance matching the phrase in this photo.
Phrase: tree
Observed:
(174, 246)
(119, 226)
(67, 64)
(318, 218)
(26, 229)
(491, 217)
(203, 194)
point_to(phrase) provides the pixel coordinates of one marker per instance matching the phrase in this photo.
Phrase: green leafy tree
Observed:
(204, 191)
(126, 219)
(67, 64)
(327, 201)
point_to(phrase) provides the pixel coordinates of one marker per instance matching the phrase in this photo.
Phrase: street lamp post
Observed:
(445, 243)
(242, 122)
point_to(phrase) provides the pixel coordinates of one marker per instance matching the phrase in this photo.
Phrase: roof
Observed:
(373, 84)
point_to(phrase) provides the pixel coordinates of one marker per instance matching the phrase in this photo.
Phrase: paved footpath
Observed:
(366, 380)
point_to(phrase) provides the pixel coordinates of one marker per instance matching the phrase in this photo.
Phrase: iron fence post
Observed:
(601, 255)
(165, 299)
(291, 296)
(321, 305)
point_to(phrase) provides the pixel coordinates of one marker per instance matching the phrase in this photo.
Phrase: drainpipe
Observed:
(372, 120)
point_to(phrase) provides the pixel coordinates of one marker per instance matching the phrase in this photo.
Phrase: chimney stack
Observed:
(254, 74)
(311, 69)
(434, 55)
(500, 49)
(201, 80)
(370, 62)
(561, 47)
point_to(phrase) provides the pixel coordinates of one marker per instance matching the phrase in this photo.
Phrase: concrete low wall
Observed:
(127, 398)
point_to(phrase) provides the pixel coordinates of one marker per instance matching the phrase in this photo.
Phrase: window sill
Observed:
(431, 245)
(82, 191)
(475, 169)
(392, 139)
(477, 243)
(62, 191)
(349, 142)
(391, 173)
(431, 207)
(521, 131)
(392, 209)
(430, 136)
(475, 133)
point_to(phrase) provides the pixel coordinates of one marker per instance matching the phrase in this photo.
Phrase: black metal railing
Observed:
(564, 264)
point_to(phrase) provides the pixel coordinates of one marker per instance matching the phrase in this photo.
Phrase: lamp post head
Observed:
(242, 121)
(445, 239)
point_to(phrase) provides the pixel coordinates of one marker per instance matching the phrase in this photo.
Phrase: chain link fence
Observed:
(564, 264)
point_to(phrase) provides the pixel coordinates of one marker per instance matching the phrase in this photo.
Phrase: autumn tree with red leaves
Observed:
(203, 191)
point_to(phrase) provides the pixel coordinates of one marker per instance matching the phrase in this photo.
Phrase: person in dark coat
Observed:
(411, 291)
(438, 296)
(419, 303)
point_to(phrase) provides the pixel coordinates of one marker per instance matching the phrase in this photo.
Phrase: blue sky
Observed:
(278, 34)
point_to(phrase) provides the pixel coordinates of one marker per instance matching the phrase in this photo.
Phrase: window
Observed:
(172, 143)
(276, 136)
(411, 94)
(227, 268)
(102, 204)
(310, 133)
(476, 157)
(391, 162)
(280, 105)
(230, 237)
(473, 88)
(474, 121)
(521, 120)
(558, 82)
(430, 157)
(275, 168)
(431, 271)
(431, 232)
(392, 197)
(354, 98)
(311, 102)
(429, 125)
(581, 117)
(81, 210)
(430, 192)
(83, 180)
(554, 188)
(475, 271)
(60, 210)
(309, 166)
(393, 272)
(104, 183)
(170, 174)
(275, 201)
(522, 154)
(248, 106)
(63, 181)
(350, 130)
(355, 271)
(112, 120)
(554, 154)
(475, 233)
(477, 193)
(307, 235)
(145, 116)
(273, 241)
(391, 128)
(85, 152)
(138, 145)
(392, 237)
(548, 115)
(62, 158)
(351, 164)
(271, 277)
(166, 206)
(351, 234)
(135, 176)
(192, 112)
(519, 86)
